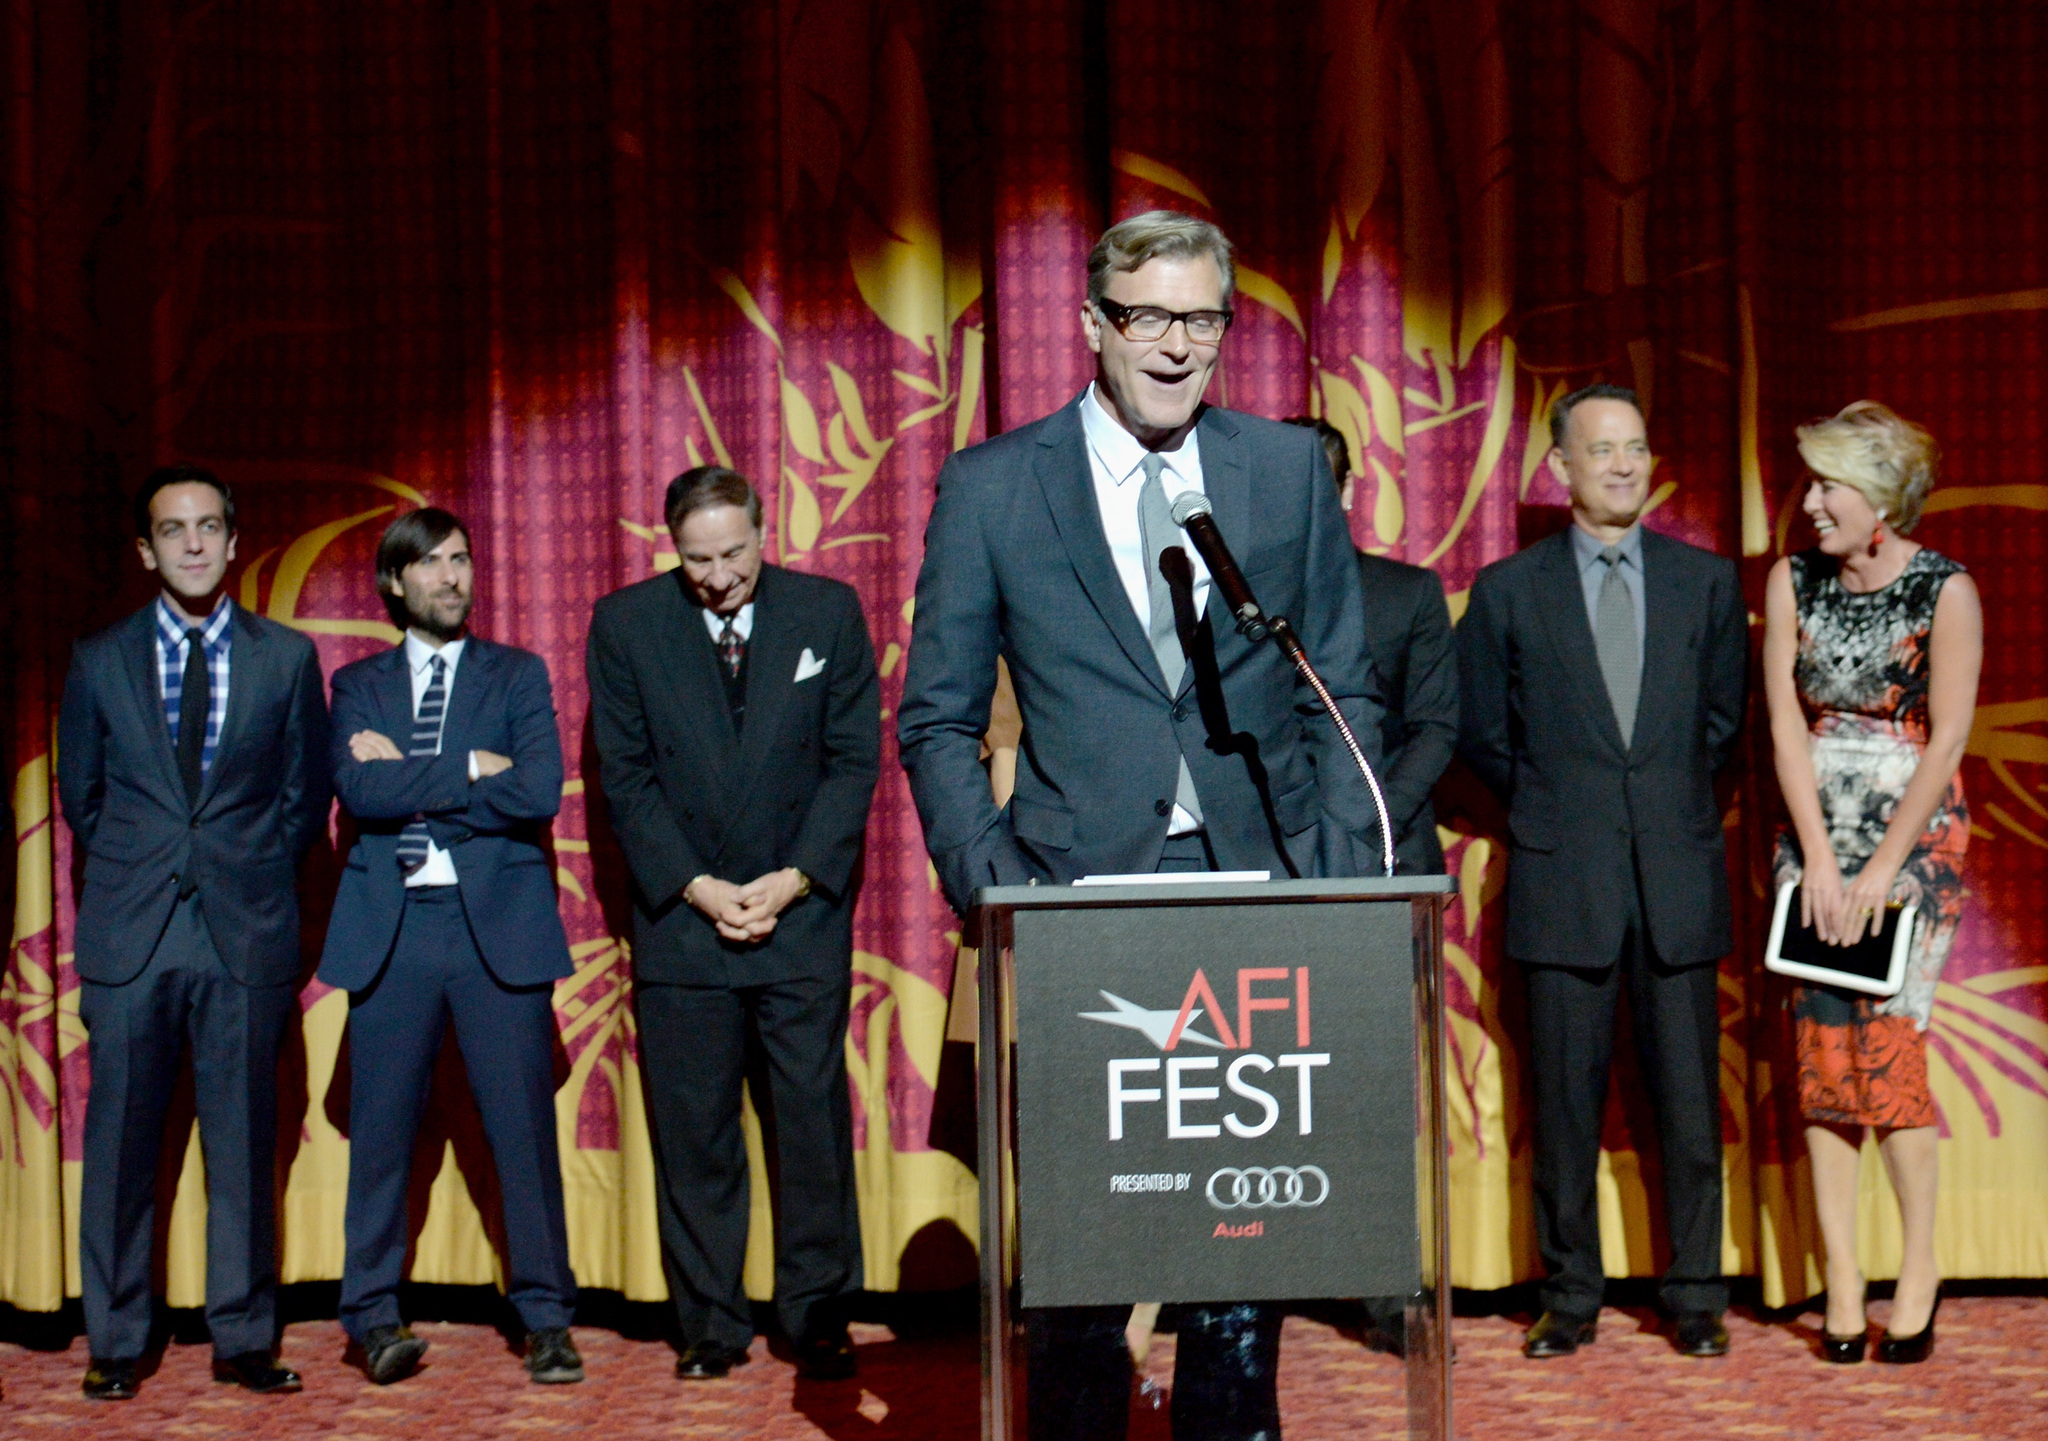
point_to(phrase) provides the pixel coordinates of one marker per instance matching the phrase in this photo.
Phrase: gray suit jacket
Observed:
(264, 801)
(1016, 564)
(1592, 818)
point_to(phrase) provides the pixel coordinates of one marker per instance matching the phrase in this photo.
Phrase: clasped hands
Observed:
(376, 746)
(748, 912)
(1839, 913)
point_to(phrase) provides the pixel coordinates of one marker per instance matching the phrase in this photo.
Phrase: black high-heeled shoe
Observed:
(1911, 1350)
(1843, 1350)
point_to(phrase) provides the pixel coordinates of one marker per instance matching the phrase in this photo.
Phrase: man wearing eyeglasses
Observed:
(1156, 738)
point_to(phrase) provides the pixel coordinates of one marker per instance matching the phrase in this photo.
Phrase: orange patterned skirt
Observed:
(1858, 1067)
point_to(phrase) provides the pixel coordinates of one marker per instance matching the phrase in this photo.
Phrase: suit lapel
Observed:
(1068, 480)
(248, 655)
(140, 650)
(394, 699)
(1227, 481)
(1663, 627)
(1562, 600)
(471, 679)
(772, 653)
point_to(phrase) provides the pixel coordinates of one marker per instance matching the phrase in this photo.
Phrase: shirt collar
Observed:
(1586, 550)
(742, 621)
(171, 628)
(1119, 451)
(419, 655)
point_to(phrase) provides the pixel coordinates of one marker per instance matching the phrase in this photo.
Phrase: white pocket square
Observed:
(807, 665)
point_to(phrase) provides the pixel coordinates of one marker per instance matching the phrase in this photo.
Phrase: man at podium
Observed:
(1155, 737)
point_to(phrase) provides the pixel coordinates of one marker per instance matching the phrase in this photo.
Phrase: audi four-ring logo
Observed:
(1274, 1186)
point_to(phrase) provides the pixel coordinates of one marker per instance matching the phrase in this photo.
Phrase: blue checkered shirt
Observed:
(217, 635)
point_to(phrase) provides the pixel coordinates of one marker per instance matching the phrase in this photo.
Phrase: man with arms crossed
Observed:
(1044, 547)
(447, 756)
(738, 720)
(192, 765)
(1602, 673)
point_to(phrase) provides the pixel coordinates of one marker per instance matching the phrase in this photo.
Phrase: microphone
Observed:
(1192, 513)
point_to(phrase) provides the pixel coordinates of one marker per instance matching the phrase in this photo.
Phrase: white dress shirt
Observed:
(1116, 460)
(742, 624)
(439, 869)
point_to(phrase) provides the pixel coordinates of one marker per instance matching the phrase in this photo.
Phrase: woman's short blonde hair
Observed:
(1888, 459)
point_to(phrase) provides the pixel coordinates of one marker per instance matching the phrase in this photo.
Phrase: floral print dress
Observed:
(1862, 674)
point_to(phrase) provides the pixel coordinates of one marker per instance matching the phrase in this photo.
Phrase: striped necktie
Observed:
(426, 741)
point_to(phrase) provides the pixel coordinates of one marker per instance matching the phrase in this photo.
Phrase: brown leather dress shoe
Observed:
(109, 1380)
(1559, 1333)
(257, 1371)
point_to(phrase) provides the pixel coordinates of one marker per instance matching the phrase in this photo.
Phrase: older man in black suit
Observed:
(1154, 740)
(738, 722)
(192, 764)
(1603, 672)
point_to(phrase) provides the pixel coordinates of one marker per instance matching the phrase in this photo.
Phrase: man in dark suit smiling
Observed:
(447, 756)
(738, 721)
(192, 763)
(1154, 740)
(1602, 674)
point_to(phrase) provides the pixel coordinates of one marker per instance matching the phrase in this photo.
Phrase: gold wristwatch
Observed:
(803, 883)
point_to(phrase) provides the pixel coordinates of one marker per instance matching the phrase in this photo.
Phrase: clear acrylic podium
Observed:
(1198, 1092)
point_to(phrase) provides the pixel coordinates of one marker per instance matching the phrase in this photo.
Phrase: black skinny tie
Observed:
(195, 705)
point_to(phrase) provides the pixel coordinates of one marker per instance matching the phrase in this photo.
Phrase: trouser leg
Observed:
(802, 1025)
(507, 1037)
(1571, 1043)
(1226, 1373)
(692, 1047)
(236, 1031)
(394, 1033)
(133, 1033)
(1078, 1369)
(1678, 1036)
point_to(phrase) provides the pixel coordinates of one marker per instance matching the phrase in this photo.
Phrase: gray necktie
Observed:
(1156, 527)
(1614, 637)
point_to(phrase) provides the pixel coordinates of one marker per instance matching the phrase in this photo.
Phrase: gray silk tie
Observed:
(1156, 528)
(1614, 637)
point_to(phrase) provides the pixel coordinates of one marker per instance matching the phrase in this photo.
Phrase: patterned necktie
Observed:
(731, 649)
(426, 741)
(195, 707)
(1156, 528)
(1614, 638)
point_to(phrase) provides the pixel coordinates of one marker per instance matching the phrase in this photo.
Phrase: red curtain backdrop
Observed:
(529, 260)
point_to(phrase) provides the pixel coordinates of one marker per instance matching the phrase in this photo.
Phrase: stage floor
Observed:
(1988, 1379)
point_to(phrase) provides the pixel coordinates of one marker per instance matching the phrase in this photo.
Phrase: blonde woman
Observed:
(1871, 652)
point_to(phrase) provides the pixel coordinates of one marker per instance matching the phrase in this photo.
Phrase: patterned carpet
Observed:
(1988, 1379)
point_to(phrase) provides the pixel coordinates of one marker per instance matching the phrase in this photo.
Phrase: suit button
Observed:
(1164, 808)
(195, 823)
(1180, 712)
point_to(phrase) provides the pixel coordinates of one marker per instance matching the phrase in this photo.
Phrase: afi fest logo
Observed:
(1191, 1111)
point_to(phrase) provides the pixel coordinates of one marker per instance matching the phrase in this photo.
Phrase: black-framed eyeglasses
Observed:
(1151, 322)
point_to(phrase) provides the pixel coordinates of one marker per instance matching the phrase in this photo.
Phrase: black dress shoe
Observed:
(257, 1371)
(709, 1360)
(108, 1380)
(390, 1353)
(1913, 1349)
(551, 1357)
(1558, 1333)
(1843, 1350)
(1700, 1333)
(826, 1354)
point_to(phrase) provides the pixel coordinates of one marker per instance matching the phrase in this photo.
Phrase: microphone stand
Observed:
(1290, 645)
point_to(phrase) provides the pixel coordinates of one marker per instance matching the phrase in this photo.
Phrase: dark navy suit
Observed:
(188, 930)
(486, 950)
(1017, 563)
